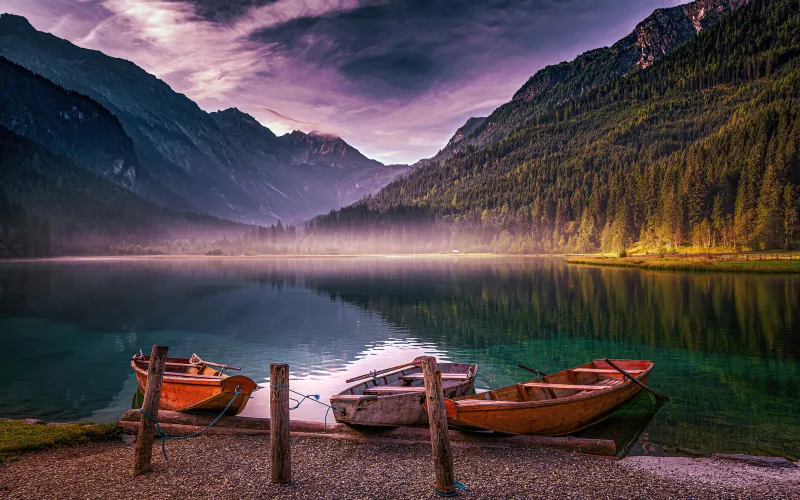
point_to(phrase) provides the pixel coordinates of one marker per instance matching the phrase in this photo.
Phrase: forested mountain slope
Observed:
(652, 39)
(701, 147)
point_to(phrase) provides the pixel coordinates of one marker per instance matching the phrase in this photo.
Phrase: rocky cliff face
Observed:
(658, 35)
(225, 164)
(67, 124)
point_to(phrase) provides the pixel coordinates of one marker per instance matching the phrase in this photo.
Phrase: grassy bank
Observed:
(692, 264)
(17, 437)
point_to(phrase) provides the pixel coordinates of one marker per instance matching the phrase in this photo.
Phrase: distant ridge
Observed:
(225, 164)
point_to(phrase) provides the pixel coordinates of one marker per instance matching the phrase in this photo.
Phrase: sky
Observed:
(395, 79)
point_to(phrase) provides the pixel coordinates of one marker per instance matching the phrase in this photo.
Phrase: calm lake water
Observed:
(726, 346)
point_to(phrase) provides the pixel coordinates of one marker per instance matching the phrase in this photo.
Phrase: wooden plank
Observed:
(601, 370)
(152, 396)
(189, 376)
(279, 438)
(522, 392)
(445, 376)
(388, 389)
(182, 424)
(172, 363)
(577, 387)
(440, 439)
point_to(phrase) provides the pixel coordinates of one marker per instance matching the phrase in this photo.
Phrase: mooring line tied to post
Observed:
(458, 484)
(311, 397)
(164, 436)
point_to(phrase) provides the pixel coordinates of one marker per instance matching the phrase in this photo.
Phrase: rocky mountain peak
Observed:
(667, 28)
(13, 22)
(653, 38)
(241, 124)
(317, 148)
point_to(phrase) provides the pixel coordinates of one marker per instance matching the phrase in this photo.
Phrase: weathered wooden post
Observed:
(152, 395)
(279, 438)
(440, 440)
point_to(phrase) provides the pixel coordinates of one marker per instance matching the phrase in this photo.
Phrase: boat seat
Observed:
(576, 387)
(445, 376)
(393, 389)
(602, 370)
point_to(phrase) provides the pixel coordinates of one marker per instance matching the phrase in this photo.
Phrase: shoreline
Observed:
(109, 258)
(687, 264)
(323, 468)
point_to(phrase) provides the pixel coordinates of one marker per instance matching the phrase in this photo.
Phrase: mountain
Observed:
(652, 39)
(70, 176)
(50, 205)
(326, 150)
(191, 153)
(67, 123)
(700, 148)
(319, 171)
(465, 131)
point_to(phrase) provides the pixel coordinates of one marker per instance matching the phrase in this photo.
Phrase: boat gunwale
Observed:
(181, 378)
(357, 397)
(469, 404)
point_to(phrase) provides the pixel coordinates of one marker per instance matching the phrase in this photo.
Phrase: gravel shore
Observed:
(238, 467)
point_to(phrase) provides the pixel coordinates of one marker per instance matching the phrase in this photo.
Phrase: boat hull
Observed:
(405, 409)
(187, 393)
(354, 408)
(554, 417)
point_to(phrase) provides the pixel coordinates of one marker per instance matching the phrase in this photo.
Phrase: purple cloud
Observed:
(394, 78)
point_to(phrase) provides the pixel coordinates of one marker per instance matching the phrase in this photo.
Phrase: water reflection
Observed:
(726, 346)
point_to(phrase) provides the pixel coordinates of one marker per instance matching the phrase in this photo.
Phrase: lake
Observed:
(726, 346)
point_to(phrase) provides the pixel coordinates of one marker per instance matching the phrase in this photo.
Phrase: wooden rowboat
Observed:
(194, 385)
(558, 404)
(398, 398)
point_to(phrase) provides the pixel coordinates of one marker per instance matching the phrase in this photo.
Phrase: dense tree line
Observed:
(700, 149)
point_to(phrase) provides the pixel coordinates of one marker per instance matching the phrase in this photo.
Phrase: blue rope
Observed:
(310, 397)
(458, 484)
(164, 436)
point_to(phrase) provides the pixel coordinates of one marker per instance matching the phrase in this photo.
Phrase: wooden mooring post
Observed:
(279, 437)
(440, 439)
(152, 395)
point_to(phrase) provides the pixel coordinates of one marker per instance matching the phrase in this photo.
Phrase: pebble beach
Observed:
(238, 467)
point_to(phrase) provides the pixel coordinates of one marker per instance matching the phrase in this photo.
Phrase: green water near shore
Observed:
(726, 347)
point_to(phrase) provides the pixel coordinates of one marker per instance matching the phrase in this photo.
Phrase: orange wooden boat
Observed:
(194, 385)
(558, 404)
(397, 397)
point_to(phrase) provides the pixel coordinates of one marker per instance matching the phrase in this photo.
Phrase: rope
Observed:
(164, 436)
(458, 484)
(311, 397)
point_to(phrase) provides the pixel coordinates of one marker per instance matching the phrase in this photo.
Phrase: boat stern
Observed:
(450, 408)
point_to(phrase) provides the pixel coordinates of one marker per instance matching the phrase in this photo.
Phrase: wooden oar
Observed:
(227, 367)
(636, 381)
(382, 372)
(195, 360)
(534, 370)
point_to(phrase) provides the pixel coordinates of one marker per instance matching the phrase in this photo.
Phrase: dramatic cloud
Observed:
(394, 78)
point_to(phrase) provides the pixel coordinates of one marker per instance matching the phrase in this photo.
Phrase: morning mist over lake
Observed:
(334, 249)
